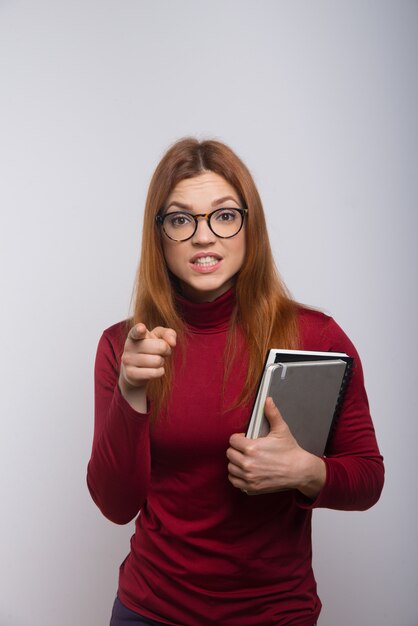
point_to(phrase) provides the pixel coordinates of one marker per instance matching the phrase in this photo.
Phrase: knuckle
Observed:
(162, 346)
(130, 373)
(251, 448)
(125, 359)
(247, 465)
(154, 361)
(157, 372)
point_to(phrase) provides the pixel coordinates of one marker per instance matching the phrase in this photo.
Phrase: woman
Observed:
(223, 523)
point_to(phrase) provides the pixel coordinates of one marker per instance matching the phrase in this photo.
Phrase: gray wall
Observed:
(320, 99)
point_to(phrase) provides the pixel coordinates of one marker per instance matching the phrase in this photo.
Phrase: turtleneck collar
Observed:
(208, 317)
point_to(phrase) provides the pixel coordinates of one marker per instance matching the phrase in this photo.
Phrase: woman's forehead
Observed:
(205, 186)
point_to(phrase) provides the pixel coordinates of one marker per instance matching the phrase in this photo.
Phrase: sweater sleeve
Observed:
(118, 472)
(354, 465)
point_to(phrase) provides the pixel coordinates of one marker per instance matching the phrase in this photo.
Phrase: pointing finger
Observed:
(138, 332)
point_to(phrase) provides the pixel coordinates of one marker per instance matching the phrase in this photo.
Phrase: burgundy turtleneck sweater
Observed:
(204, 553)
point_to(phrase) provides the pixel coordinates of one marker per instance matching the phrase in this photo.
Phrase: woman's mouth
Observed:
(206, 260)
(205, 263)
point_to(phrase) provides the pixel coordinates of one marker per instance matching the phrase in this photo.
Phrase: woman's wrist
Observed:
(313, 476)
(136, 397)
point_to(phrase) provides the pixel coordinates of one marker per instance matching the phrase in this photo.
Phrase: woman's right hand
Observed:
(143, 359)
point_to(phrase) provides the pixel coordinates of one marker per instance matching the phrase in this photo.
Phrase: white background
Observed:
(320, 99)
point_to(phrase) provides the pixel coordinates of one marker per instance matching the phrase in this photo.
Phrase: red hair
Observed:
(265, 311)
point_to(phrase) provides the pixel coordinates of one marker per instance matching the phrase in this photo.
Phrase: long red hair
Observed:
(265, 311)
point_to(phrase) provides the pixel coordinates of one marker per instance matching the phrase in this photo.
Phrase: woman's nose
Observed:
(203, 233)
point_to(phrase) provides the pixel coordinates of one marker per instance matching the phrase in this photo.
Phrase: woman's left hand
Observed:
(275, 462)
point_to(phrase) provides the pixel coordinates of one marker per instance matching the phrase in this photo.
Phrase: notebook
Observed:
(308, 388)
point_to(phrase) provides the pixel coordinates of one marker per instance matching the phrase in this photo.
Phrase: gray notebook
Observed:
(307, 394)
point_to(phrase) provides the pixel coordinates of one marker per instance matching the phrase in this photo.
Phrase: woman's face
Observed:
(206, 265)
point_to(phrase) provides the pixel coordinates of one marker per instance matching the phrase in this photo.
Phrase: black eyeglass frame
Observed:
(159, 218)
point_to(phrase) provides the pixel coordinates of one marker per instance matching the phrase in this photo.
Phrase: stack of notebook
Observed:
(308, 389)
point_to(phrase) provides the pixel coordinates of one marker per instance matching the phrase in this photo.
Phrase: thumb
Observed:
(167, 334)
(274, 417)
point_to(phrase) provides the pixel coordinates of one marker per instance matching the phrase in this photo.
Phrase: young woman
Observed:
(223, 523)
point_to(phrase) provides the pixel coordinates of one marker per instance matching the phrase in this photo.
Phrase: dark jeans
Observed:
(121, 616)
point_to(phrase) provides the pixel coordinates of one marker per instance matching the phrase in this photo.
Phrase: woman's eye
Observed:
(226, 215)
(179, 219)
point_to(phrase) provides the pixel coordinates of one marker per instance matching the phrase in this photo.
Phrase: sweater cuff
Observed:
(125, 408)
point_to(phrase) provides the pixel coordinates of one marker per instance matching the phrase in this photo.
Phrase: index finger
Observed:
(240, 442)
(138, 332)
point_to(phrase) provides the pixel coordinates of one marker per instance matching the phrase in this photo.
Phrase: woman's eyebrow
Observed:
(180, 205)
(224, 199)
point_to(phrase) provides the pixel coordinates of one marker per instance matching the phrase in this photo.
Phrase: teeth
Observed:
(206, 260)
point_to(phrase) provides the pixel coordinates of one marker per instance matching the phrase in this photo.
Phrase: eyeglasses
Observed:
(180, 226)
